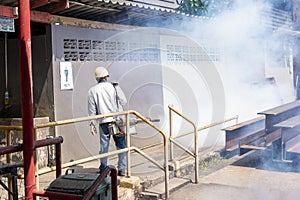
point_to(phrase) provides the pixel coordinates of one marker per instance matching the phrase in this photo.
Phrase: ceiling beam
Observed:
(42, 17)
(39, 3)
(7, 11)
(88, 24)
(56, 7)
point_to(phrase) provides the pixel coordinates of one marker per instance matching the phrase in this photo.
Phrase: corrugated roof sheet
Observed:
(121, 11)
(137, 12)
(133, 12)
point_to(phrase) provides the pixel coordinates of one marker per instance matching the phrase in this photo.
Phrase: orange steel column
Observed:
(27, 98)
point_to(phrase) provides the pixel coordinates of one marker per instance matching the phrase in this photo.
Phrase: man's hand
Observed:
(93, 129)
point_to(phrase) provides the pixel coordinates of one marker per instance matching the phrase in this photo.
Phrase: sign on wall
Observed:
(66, 76)
(7, 24)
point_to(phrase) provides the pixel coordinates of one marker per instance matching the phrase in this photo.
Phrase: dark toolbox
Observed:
(80, 183)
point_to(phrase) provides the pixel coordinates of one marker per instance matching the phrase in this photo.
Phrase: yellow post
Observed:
(8, 159)
(36, 163)
(128, 158)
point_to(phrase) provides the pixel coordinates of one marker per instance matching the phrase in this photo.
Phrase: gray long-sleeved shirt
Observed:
(103, 98)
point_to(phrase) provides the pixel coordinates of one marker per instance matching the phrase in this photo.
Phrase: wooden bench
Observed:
(261, 133)
(253, 141)
(289, 142)
(280, 113)
(243, 131)
(273, 129)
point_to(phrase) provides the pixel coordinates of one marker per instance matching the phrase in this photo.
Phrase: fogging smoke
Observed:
(247, 46)
(243, 48)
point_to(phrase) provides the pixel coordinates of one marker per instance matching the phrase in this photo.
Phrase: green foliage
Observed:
(203, 7)
(193, 7)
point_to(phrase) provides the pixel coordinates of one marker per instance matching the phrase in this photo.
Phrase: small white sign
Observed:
(66, 76)
(7, 24)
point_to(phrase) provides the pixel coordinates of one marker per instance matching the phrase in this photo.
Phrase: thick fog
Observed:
(210, 69)
(255, 58)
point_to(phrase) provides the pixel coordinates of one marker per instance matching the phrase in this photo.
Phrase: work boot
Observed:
(121, 173)
(102, 170)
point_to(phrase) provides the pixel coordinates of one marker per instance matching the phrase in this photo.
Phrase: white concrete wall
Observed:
(195, 75)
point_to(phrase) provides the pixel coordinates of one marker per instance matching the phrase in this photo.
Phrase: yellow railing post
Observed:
(128, 144)
(195, 154)
(36, 162)
(8, 160)
(166, 160)
(171, 135)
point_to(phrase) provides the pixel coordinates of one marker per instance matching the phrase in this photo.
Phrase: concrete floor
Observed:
(253, 176)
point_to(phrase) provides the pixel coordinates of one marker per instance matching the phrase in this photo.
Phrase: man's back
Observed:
(102, 100)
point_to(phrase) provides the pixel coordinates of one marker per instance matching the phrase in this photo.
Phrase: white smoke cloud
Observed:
(247, 49)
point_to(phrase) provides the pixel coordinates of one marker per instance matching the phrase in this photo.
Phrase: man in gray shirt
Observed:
(104, 98)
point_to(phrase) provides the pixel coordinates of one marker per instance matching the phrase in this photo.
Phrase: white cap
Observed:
(101, 72)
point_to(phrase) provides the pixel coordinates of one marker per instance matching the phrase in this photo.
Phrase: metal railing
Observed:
(57, 142)
(129, 148)
(19, 147)
(8, 130)
(172, 138)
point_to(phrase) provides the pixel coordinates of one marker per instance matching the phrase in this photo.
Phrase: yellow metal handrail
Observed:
(208, 126)
(165, 168)
(195, 154)
(172, 138)
(11, 128)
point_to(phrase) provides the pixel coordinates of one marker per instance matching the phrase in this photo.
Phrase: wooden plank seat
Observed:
(242, 131)
(293, 145)
(257, 141)
(290, 138)
(290, 122)
(280, 113)
(282, 108)
(275, 118)
(261, 133)
(254, 140)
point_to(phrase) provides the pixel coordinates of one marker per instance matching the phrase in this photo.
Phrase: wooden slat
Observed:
(293, 145)
(245, 129)
(289, 123)
(245, 123)
(252, 137)
(271, 137)
(282, 108)
(245, 146)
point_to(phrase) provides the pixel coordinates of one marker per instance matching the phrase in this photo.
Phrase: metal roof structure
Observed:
(127, 12)
(158, 13)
